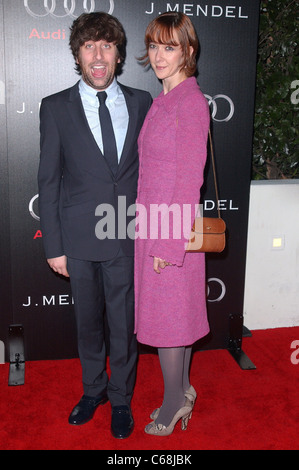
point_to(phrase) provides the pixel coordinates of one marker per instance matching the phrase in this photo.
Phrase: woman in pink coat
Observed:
(170, 288)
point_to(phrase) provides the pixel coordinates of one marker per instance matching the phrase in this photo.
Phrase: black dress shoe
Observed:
(85, 409)
(122, 422)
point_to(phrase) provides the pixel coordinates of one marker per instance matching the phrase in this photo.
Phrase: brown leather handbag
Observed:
(208, 233)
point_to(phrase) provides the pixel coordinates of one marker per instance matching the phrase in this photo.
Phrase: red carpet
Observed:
(236, 409)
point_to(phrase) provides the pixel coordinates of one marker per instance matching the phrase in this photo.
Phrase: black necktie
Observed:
(108, 137)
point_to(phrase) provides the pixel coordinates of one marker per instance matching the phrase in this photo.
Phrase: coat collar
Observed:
(171, 99)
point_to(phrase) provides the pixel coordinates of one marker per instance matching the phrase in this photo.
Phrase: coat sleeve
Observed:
(192, 125)
(49, 182)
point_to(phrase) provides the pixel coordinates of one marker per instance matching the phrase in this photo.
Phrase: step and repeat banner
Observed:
(36, 61)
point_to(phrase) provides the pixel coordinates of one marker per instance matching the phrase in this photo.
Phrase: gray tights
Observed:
(175, 363)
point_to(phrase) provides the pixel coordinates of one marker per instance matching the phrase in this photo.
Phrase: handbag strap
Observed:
(214, 172)
(214, 169)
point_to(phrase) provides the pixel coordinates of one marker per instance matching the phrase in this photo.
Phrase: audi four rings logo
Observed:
(228, 104)
(49, 7)
(221, 287)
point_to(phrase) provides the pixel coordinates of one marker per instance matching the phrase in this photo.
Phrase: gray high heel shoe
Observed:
(161, 430)
(190, 395)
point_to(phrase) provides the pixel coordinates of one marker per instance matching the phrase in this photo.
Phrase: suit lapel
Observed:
(79, 119)
(132, 105)
(77, 114)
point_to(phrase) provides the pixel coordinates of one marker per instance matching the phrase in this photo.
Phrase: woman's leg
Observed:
(172, 362)
(187, 360)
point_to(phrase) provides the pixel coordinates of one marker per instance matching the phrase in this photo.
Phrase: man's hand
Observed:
(59, 265)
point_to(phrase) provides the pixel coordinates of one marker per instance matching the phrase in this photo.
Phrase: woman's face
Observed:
(166, 61)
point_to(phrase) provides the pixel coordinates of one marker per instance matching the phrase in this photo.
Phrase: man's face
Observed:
(98, 61)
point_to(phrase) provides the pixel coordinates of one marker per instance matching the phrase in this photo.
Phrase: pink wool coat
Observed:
(170, 308)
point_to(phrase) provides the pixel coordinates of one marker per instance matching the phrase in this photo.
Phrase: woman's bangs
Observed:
(161, 34)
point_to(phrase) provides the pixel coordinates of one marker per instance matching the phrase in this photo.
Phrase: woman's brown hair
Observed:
(161, 31)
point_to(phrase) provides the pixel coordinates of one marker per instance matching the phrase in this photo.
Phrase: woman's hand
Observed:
(160, 263)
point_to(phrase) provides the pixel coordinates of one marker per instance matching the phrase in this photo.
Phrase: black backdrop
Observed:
(35, 62)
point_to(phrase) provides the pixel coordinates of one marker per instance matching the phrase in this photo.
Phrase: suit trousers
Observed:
(100, 290)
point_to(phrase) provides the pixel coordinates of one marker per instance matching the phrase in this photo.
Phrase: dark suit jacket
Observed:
(74, 177)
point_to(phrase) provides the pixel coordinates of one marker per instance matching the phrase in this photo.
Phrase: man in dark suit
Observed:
(81, 169)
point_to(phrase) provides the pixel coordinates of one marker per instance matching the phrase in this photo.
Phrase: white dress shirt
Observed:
(116, 104)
